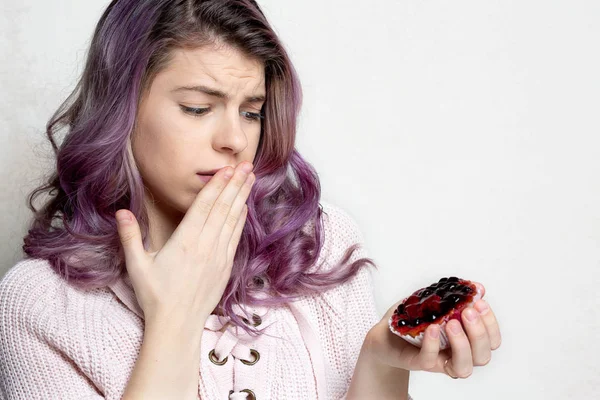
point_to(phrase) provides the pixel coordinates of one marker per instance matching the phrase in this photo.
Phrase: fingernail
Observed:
(482, 307)
(434, 332)
(123, 217)
(247, 168)
(471, 314)
(229, 173)
(454, 328)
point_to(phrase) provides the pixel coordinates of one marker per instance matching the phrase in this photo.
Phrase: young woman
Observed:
(185, 251)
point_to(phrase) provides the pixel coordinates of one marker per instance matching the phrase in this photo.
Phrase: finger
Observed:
(237, 234)
(191, 226)
(461, 363)
(221, 213)
(478, 336)
(428, 356)
(130, 236)
(233, 220)
(490, 322)
(480, 287)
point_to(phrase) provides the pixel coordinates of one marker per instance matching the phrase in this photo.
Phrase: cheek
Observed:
(158, 148)
(250, 152)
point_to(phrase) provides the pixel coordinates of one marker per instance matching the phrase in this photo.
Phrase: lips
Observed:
(212, 171)
(205, 178)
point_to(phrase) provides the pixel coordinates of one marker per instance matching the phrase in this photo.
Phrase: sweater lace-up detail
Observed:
(234, 342)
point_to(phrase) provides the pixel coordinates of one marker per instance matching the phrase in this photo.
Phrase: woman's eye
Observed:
(252, 116)
(198, 112)
(195, 112)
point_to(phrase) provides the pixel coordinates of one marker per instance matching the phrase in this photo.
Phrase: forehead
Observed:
(219, 63)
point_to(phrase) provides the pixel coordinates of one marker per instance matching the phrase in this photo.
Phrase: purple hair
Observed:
(96, 174)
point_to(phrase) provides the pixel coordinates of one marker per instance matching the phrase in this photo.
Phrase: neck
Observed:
(163, 220)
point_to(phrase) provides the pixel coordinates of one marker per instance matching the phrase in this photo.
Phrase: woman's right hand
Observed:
(188, 275)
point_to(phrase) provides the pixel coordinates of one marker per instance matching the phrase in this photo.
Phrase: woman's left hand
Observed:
(467, 349)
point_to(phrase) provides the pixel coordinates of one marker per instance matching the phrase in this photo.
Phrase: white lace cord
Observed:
(238, 396)
(229, 342)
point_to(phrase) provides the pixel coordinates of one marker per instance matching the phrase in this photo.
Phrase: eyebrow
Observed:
(217, 93)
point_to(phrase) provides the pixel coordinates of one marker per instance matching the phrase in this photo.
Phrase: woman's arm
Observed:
(372, 380)
(167, 366)
(368, 379)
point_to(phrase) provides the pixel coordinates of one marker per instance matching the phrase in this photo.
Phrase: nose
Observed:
(231, 135)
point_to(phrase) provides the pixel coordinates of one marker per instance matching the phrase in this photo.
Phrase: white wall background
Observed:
(461, 135)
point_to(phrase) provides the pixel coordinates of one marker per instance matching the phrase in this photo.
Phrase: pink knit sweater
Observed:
(57, 342)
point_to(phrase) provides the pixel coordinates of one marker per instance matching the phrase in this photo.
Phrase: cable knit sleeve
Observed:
(31, 365)
(360, 309)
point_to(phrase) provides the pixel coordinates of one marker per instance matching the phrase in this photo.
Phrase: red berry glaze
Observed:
(438, 303)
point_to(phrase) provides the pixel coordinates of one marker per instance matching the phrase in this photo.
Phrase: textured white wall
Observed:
(462, 136)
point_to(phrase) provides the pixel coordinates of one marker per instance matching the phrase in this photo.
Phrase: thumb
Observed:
(130, 235)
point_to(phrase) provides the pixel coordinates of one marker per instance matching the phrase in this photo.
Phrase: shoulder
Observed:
(45, 320)
(24, 270)
(340, 231)
(48, 324)
(339, 221)
(23, 285)
(31, 283)
(36, 300)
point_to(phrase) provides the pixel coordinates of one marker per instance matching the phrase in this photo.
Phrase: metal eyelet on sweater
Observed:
(256, 355)
(251, 395)
(256, 319)
(214, 359)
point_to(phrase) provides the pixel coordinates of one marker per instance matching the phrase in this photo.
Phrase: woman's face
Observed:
(183, 129)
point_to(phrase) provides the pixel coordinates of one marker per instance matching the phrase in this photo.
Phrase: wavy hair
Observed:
(96, 175)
